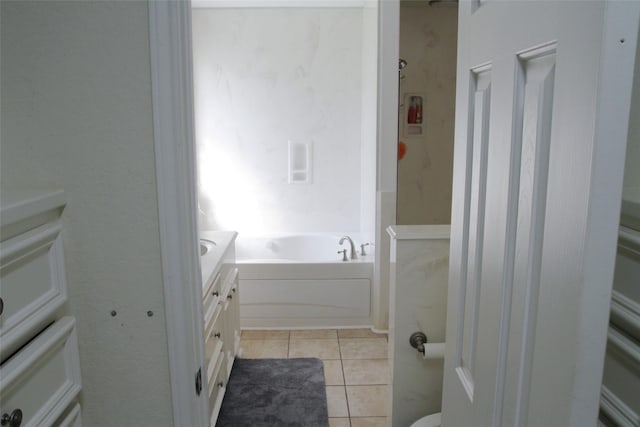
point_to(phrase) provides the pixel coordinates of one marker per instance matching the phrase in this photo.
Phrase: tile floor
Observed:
(356, 368)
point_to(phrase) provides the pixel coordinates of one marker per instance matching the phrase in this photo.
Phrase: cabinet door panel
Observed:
(43, 378)
(33, 284)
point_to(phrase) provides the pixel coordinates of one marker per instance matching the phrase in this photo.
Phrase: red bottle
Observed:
(418, 110)
(412, 115)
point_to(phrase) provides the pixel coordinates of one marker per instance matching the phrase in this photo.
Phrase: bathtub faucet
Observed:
(352, 253)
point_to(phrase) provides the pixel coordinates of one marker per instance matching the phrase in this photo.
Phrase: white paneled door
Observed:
(541, 121)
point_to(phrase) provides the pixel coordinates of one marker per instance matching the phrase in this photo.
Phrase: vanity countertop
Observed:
(217, 254)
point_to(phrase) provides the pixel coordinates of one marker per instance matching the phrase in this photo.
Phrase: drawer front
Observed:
(71, 419)
(212, 293)
(217, 395)
(214, 348)
(231, 316)
(33, 285)
(229, 283)
(212, 313)
(43, 378)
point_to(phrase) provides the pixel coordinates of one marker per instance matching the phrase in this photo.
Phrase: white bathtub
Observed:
(300, 281)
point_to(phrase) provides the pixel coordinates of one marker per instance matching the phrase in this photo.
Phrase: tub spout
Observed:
(352, 253)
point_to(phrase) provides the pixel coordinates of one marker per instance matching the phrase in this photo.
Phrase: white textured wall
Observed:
(76, 114)
(428, 37)
(264, 77)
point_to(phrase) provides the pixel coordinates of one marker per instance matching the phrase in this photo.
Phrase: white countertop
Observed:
(211, 261)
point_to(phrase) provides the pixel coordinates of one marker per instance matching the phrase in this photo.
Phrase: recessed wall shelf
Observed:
(413, 116)
(300, 162)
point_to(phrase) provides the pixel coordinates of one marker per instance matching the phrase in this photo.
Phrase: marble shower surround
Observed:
(264, 77)
(428, 37)
(418, 288)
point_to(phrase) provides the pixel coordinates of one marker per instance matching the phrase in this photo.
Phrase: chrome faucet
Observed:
(352, 253)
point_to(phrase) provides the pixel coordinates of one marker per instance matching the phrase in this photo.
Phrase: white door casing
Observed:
(172, 95)
(542, 108)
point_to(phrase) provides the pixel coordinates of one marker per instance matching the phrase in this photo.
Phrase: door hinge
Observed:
(199, 381)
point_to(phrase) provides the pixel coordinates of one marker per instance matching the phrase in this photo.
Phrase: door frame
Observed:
(173, 126)
(617, 67)
(387, 155)
(175, 152)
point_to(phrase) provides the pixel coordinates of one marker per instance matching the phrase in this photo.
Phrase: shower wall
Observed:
(428, 37)
(267, 76)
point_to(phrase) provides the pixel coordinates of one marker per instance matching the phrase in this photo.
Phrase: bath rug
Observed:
(275, 392)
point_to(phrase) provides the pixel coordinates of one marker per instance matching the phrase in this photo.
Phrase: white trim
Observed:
(420, 232)
(624, 345)
(616, 410)
(612, 122)
(625, 313)
(388, 54)
(240, 4)
(172, 93)
(629, 238)
(19, 205)
(386, 154)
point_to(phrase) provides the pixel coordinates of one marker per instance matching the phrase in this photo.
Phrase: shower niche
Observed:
(413, 118)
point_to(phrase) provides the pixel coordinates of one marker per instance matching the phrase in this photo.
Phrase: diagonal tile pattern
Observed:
(355, 363)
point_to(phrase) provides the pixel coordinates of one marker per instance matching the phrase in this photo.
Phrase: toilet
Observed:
(428, 421)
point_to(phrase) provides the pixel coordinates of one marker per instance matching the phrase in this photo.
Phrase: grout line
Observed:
(344, 380)
(344, 385)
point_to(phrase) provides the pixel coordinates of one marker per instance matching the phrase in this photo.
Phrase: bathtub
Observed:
(300, 281)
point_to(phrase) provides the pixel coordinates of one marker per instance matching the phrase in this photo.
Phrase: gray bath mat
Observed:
(275, 392)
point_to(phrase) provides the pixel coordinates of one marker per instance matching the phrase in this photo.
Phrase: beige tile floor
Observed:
(356, 368)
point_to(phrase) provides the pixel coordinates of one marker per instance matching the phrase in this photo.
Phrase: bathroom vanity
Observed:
(39, 370)
(221, 309)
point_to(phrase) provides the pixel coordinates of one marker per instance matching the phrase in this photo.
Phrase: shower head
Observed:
(402, 64)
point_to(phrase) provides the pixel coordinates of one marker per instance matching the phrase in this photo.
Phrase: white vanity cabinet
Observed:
(39, 366)
(221, 308)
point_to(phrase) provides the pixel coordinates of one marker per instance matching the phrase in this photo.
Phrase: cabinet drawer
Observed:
(71, 419)
(216, 395)
(43, 378)
(230, 283)
(33, 284)
(214, 347)
(212, 293)
(211, 316)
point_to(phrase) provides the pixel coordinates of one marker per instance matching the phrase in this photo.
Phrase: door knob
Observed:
(13, 420)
